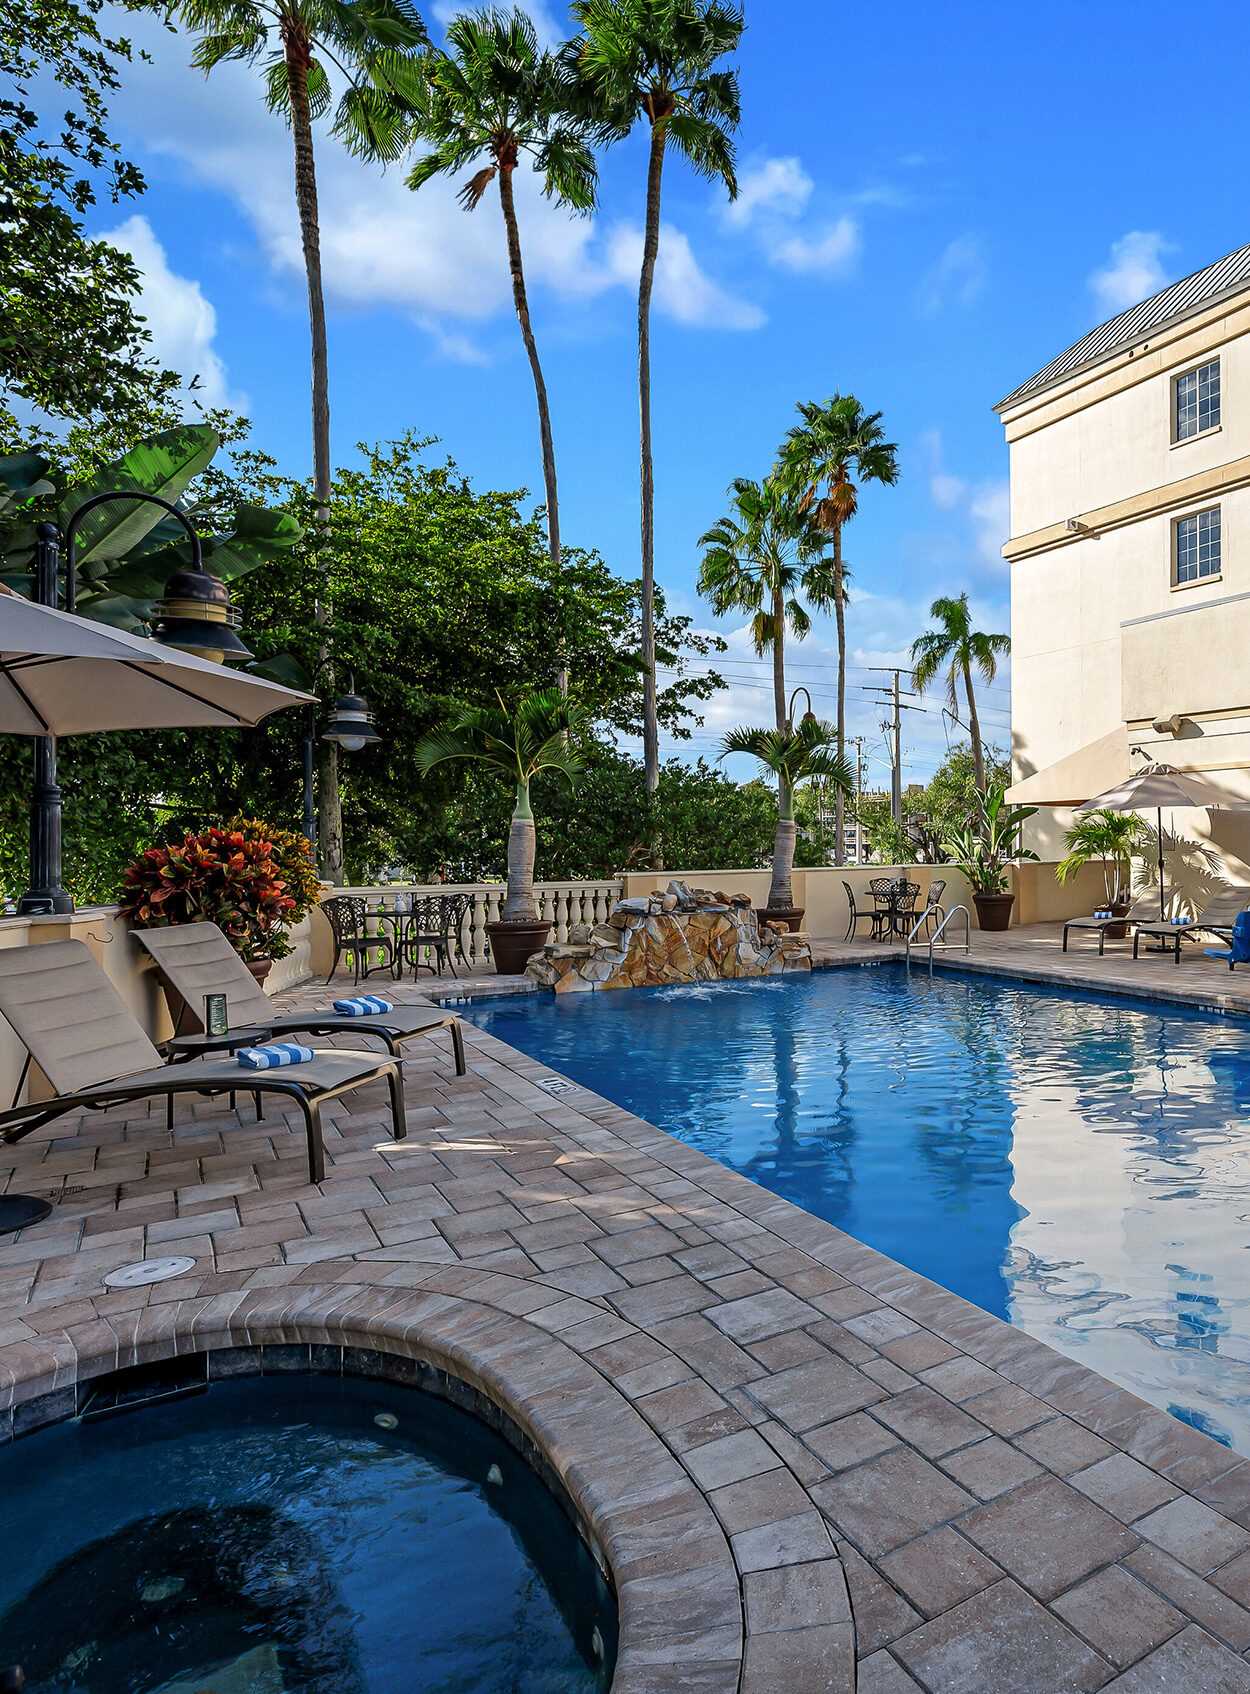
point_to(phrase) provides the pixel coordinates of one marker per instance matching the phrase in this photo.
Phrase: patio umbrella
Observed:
(65, 675)
(1155, 786)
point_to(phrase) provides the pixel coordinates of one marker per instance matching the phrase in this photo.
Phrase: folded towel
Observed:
(1104, 914)
(1180, 922)
(273, 1055)
(364, 1006)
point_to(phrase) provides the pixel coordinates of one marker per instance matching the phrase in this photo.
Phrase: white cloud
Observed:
(541, 16)
(382, 244)
(990, 510)
(1133, 272)
(682, 290)
(835, 250)
(957, 277)
(780, 186)
(182, 322)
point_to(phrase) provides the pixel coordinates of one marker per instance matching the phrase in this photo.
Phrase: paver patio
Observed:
(792, 1451)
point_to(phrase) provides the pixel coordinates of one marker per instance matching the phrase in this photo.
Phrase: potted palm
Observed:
(518, 742)
(1110, 837)
(793, 756)
(983, 849)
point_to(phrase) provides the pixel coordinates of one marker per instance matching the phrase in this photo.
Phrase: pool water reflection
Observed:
(1076, 1164)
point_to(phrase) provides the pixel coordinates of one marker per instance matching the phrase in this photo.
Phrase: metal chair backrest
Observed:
(905, 892)
(196, 959)
(936, 891)
(70, 1018)
(348, 916)
(882, 887)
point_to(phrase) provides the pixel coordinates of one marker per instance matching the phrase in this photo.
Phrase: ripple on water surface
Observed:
(1079, 1165)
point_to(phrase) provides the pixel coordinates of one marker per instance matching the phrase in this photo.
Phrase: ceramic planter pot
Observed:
(994, 910)
(260, 968)
(511, 944)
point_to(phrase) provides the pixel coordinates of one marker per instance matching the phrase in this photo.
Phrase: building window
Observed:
(1196, 546)
(1196, 401)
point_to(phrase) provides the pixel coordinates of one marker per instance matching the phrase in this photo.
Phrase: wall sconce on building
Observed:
(1170, 726)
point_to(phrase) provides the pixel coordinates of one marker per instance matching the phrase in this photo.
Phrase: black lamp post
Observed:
(195, 616)
(808, 716)
(350, 726)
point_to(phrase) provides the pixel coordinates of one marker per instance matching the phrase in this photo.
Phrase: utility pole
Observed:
(857, 741)
(895, 694)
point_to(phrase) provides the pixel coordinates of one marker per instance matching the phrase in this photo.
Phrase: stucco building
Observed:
(1130, 557)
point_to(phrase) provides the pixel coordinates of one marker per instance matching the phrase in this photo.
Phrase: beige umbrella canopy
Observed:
(1155, 786)
(65, 675)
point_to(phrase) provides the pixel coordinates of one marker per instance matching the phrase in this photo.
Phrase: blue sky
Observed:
(936, 200)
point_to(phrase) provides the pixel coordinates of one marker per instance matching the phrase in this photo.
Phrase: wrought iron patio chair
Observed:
(933, 911)
(94, 1052)
(874, 914)
(903, 910)
(348, 917)
(436, 926)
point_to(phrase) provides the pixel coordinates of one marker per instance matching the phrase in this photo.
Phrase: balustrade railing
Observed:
(561, 904)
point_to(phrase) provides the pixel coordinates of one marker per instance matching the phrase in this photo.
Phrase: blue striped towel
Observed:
(1180, 922)
(364, 1006)
(273, 1056)
(1104, 914)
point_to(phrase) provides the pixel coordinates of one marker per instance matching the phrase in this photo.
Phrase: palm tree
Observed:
(496, 97)
(759, 558)
(824, 460)
(957, 646)
(518, 742)
(793, 756)
(654, 59)
(1111, 837)
(369, 44)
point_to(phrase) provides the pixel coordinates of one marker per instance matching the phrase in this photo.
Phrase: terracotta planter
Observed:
(994, 910)
(1118, 931)
(783, 917)
(512, 943)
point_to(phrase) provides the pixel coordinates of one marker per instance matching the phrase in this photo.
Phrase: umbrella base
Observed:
(19, 1211)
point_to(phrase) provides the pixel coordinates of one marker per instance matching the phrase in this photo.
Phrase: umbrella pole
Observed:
(1159, 822)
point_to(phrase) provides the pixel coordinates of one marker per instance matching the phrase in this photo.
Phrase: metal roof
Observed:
(1172, 304)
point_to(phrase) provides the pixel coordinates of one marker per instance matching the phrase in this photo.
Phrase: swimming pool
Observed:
(293, 1533)
(1076, 1164)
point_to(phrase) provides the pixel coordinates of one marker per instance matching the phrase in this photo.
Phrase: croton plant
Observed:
(230, 877)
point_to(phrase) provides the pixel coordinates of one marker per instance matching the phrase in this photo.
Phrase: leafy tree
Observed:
(656, 60)
(793, 756)
(71, 344)
(497, 97)
(517, 742)
(957, 647)
(370, 45)
(931, 814)
(824, 460)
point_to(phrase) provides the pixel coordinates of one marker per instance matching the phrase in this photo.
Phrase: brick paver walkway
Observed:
(794, 1453)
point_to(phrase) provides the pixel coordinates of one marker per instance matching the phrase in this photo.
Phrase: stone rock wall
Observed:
(683, 935)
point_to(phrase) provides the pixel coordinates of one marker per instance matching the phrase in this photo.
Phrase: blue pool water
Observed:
(271, 1536)
(1078, 1165)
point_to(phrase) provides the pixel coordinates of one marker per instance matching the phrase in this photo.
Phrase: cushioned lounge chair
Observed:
(1217, 917)
(76, 1028)
(1140, 912)
(195, 959)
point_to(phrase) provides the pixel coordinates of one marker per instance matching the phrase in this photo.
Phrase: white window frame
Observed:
(1174, 539)
(1179, 440)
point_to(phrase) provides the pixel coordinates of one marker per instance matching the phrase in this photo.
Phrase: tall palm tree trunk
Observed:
(839, 613)
(297, 50)
(779, 681)
(974, 731)
(520, 299)
(646, 282)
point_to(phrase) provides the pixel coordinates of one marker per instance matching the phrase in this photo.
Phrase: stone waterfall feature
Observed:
(684, 935)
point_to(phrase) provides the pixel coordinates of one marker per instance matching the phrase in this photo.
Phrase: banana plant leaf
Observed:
(284, 668)
(163, 464)
(23, 476)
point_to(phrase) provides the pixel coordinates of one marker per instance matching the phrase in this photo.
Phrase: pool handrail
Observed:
(937, 933)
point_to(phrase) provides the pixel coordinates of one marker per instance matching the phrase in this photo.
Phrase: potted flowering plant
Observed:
(223, 876)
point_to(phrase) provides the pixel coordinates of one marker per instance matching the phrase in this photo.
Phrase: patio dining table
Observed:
(895, 903)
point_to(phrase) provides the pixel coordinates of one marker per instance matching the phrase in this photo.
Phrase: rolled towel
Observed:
(1180, 922)
(1104, 914)
(364, 1006)
(273, 1055)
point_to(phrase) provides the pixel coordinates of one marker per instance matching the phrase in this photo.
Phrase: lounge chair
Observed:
(1217, 917)
(195, 959)
(76, 1028)
(1139, 912)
